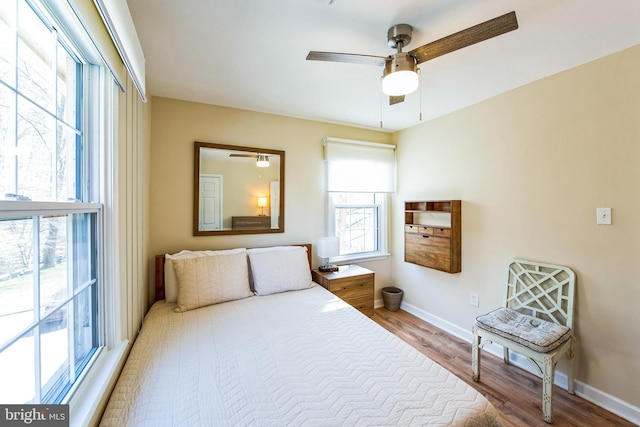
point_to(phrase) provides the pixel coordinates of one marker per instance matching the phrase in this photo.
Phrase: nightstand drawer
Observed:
(362, 290)
(353, 284)
(359, 301)
(365, 306)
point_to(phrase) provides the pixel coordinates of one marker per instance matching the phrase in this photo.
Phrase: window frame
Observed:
(96, 112)
(31, 209)
(381, 203)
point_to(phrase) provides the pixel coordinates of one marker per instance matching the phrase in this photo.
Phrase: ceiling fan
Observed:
(262, 160)
(400, 75)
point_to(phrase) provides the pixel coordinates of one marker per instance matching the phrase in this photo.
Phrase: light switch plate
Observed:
(603, 216)
(473, 299)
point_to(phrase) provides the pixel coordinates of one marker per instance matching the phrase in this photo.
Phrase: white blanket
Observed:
(301, 358)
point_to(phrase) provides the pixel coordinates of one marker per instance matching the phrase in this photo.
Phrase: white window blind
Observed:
(358, 166)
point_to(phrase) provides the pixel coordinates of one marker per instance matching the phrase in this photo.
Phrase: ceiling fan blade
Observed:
(472, 35)
(396, 99)
(351, 58)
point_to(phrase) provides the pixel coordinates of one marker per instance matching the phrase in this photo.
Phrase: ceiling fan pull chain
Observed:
(381, 96)
(421, 89)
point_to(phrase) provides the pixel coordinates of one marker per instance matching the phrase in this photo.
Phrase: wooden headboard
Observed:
(159, 266)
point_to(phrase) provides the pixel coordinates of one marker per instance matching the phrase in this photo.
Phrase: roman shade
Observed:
(359, 166)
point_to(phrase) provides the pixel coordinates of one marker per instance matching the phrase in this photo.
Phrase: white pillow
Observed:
(211, 279)
(170, 280)
(279, 269)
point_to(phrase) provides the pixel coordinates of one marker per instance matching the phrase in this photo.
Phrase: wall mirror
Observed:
(237, 190)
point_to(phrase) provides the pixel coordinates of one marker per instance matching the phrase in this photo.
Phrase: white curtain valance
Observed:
(359, 166)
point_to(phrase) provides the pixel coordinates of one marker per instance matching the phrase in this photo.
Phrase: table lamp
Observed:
(328, 247)
(262, 202)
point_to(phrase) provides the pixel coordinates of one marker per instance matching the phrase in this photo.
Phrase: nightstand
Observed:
(352, 283)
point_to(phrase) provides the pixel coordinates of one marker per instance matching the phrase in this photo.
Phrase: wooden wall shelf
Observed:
(433, 234)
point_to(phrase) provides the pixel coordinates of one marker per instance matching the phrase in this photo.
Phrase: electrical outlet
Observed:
(473, 300)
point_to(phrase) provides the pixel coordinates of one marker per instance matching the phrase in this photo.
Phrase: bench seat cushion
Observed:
(532, 332)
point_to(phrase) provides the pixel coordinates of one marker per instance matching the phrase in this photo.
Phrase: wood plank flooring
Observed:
(515, 393)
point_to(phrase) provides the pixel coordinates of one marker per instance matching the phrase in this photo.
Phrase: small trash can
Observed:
(392, 298)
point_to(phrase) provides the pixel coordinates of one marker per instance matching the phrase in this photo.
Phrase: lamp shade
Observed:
(400, 83)
(328, 247)
(400, 75)
(262, 202)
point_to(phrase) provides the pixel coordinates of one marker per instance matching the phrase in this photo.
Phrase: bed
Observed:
(289, 353)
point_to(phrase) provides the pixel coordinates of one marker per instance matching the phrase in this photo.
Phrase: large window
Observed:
(360, 176)
(50, 233)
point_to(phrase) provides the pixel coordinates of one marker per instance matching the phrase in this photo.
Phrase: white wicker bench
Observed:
(536, 321)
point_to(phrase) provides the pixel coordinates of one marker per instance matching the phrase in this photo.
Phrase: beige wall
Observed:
(531, 167)
(175, 127)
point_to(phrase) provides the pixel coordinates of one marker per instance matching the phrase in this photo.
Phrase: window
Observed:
(360, 176)
(50, 248)
(360, 221)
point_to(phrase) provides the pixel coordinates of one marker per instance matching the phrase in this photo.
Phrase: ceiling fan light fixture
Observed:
(400, 75)
(262, 161)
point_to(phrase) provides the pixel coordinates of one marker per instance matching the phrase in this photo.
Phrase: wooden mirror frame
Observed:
(196, 190)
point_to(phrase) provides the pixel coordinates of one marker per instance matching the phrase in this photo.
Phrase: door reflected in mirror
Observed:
(237, 190)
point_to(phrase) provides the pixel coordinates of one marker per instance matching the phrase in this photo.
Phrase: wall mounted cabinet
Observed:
(433, 234)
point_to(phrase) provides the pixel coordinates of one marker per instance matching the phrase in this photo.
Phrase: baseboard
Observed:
(585, 391)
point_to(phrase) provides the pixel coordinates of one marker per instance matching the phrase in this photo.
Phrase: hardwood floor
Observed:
(515, 393)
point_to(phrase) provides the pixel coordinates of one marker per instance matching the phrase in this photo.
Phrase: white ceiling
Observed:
(250, 54)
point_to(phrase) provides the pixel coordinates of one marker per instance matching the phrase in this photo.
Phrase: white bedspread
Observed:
(301, 358)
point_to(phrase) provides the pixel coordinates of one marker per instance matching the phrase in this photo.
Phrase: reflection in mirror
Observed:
(237, 190)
